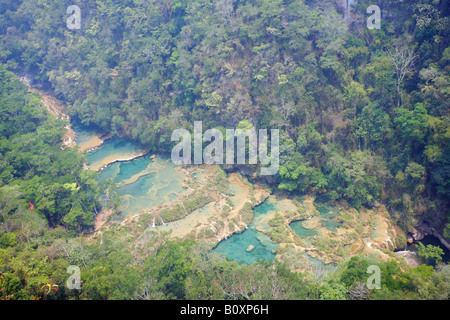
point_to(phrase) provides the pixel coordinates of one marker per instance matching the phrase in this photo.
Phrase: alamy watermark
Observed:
(74, 21)
(74, 281)
(213, 153)
(374, 281)
(374, 21)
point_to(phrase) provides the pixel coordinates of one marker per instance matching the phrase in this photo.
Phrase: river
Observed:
(311, 233)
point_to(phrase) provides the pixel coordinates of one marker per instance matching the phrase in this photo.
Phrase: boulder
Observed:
(410, 257)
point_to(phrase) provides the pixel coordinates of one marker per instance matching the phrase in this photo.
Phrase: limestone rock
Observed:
(410, 257)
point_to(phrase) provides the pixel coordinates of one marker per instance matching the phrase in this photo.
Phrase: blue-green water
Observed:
(328, 214)
(328, 220)
(149, 181)
(120, 171)
(163, 184)
(301, 231)
(114, 147)
(236, 246)
(143, 182)
(84, 134)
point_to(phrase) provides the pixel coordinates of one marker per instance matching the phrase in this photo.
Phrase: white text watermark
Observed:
(213, 153)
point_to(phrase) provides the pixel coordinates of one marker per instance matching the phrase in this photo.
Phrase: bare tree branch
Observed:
(403, 60)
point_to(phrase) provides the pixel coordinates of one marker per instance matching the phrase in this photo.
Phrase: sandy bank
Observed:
(93, 142)
(116, 158)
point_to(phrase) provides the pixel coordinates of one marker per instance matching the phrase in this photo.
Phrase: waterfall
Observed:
(153, 225)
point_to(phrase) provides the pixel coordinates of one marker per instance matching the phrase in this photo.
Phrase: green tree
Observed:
(333, 291)
(430, 254)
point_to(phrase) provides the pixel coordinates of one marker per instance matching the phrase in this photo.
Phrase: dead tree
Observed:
(403, 59)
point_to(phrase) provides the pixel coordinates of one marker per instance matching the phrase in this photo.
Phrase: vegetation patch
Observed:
(188, 205)
(246, 213)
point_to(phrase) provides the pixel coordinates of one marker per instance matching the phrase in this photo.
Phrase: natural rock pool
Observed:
(319, 233)
(300, 228)
(87, 138)
(143, 180)
(250, 245)
(149, 180)
(146, 182)
(114, 150)
(301, 231)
